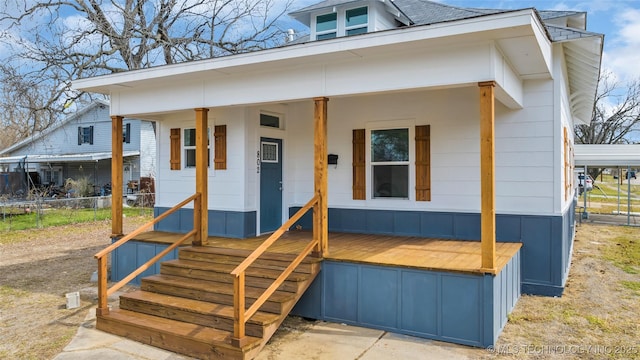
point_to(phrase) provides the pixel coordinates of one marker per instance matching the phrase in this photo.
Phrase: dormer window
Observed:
(356, 21)
(326, 26)
(342, 23)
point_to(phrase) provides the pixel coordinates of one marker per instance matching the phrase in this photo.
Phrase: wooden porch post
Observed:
(320, 210)
(487, 176)
(116, 176)
(200, 205)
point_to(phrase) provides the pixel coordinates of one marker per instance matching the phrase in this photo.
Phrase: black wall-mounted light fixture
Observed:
(332, 159)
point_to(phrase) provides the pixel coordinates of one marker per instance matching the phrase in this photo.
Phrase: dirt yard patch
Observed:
(596, 318)
(37, 269)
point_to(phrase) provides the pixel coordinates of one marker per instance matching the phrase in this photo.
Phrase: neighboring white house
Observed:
(80, 147)
(409, 85)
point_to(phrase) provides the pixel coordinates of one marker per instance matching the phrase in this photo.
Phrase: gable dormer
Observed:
(331, 19)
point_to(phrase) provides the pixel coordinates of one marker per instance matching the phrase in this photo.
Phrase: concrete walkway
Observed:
(320, 341)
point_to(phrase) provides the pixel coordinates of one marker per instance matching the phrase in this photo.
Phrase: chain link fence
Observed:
(42, 212)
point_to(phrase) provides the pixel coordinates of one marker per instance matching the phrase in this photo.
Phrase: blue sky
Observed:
(619, 20)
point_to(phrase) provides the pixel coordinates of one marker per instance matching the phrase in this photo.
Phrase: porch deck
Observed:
(385, 250)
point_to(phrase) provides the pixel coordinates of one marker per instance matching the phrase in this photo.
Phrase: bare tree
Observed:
(51, 42)
(616, 114)
(25, 110)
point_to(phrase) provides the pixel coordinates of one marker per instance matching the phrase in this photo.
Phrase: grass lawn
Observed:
(60, 216)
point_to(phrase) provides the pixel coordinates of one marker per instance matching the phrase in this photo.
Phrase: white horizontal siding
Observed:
(524, 152)
(524, 164)
(64, 140)
(226, 187)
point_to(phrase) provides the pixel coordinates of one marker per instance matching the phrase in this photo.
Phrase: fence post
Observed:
(95, 208)
(38, 220)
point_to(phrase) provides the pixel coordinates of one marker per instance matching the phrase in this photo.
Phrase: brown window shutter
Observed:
(175, 149)
(359, 182)
(423, 163)
(220, 143)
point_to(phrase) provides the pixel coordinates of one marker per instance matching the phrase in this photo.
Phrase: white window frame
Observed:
(186, 147)
(359, 26)
(389, 125)
(262, 159)
(280, 120)
(325, 32)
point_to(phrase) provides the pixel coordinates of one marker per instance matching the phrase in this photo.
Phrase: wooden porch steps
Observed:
(188, 307)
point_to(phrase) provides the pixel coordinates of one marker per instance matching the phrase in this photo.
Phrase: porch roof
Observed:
(514, 43)
(84, 157)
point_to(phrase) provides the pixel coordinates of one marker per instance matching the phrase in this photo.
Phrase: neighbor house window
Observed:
(356, 21)
(326, 26)
(85, 135)
(126, 133)
(190, 148)
(390, 163)
(52, 176)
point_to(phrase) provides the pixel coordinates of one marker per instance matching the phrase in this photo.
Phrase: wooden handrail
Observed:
(149, 263)
(275, 236)
(144, 227)
(103, 291)
(239, 314)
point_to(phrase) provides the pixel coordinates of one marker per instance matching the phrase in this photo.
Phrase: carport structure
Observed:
(620, 156)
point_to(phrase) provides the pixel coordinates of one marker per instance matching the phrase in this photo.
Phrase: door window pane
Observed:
(269, 152)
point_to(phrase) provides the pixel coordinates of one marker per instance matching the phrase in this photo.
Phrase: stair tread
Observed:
(186, 330)
(197, 306)
(217, 287)
(227, 268)
(245, 253)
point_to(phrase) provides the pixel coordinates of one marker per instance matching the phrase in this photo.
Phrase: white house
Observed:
(80, 147)
(404, 118)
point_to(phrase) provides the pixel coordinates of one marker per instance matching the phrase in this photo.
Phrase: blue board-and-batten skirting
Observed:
(469, 309)
(130, 256)
(233, 224)
(547, 240)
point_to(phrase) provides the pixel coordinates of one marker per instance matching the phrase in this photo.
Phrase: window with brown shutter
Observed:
(220, 143)
(423, 163)
(175, 149)
(359, 163)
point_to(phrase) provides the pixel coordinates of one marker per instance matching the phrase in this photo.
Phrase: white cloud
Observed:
(623, 56)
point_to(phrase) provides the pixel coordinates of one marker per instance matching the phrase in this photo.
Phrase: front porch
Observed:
(426, 287)
(385, 250)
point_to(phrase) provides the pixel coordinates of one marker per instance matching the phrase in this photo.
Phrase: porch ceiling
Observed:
(396, 60)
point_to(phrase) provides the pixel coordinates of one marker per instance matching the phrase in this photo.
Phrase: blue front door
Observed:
(270, 184)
